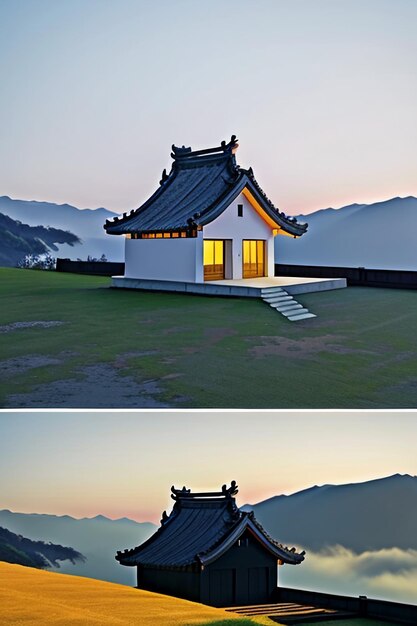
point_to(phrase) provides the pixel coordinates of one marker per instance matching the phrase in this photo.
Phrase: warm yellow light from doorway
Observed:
(255, 204)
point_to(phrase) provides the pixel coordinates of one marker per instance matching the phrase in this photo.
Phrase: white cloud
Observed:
(389, 574)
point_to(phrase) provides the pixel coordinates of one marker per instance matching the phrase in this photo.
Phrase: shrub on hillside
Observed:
(37, 262)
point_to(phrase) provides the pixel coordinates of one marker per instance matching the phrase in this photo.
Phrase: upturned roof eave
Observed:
(123, 557)
(245, 179)
(292, 228)
(119, 224)
(248, 524)
(117, 227)
(287, 224)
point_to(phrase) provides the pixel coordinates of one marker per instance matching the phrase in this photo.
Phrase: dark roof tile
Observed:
(199, 529)
(198, 189)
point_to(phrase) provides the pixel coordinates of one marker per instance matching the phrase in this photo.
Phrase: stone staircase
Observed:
(285, 304)
(291, 613)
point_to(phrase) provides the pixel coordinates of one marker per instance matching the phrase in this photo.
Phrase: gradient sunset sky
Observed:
(322, 95)
(123, 464)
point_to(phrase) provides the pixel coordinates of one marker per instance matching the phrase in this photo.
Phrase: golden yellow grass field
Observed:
(31, 596)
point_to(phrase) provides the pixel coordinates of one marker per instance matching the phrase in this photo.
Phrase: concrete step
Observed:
(275, 305)
(288, 306)
(281, 301)
(278, 299)
(294, 312)
(304, 316)
(266, 290)
(276, 296)
(283, 306)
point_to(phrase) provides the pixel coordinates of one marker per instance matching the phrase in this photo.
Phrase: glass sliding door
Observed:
(213, 259)
(253, 258)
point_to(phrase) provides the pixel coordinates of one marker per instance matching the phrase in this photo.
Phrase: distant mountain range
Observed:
(379, 236)
(22, 551)
(86, 224)
(96, 538)
(372, 515)
(18, 240)
(382, 235)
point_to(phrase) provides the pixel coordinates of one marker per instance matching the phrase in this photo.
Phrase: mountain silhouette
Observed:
(372, 515)
(381, 235)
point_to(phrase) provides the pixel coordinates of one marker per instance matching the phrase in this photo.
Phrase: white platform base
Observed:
(246, 287)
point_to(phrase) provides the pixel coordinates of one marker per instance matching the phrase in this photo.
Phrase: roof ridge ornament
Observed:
(184, 493)
(180, 154)
(164, 177)
(201, 181)
(232, 145)
(202, 527)
(180, 151)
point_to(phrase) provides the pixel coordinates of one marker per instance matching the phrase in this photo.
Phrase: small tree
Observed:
(93, 259)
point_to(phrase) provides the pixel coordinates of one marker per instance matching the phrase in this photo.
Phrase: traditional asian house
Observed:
(209, 220)
(210, 551)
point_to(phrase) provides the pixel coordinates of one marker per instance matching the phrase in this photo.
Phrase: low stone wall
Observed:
(95, 268)
(363, 606)
(399, 279)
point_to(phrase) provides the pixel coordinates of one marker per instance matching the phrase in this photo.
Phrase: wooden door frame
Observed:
(263, 241)
(215, 277)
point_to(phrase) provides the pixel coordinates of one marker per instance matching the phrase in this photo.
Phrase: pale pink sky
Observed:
(322, 96)
(123, 464)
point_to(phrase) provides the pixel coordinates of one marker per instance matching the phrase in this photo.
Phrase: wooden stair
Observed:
(290, 613)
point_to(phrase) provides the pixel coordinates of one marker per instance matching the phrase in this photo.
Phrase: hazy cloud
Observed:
(389, 574)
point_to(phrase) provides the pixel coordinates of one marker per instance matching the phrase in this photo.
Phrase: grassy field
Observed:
(114, 348)
(31, 596)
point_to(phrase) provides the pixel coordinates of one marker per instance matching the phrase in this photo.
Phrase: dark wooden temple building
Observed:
(209, 551)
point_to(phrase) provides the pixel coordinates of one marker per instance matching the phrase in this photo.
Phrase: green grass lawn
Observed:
(192, 351)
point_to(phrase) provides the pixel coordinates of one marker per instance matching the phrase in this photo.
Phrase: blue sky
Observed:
(123, 464)
(322, 95)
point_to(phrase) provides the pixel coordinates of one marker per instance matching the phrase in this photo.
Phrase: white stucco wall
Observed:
(251, 226)
(165, 259)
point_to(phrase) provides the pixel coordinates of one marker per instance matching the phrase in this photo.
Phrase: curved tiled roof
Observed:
(200, 186)
(200, 528)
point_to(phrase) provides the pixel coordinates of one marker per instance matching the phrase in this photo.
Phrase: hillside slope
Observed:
(97, 538)
(372, 515)
(87, 224)
(382, 235)
(17, 240)
(22, 551)
(33, 596)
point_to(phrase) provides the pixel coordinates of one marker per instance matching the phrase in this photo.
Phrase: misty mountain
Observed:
(22, 551)
(86, 224)
(96, 538)
(373, 522)
(382, 235)
(17, 240)
(374, 515)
